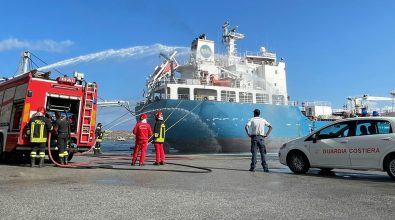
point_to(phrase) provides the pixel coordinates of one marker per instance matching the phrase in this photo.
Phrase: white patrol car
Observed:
(354, 143)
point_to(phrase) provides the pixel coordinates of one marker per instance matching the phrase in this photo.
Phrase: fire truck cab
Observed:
(21, 96)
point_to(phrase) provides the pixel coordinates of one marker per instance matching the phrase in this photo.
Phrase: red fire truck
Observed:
(21, 96)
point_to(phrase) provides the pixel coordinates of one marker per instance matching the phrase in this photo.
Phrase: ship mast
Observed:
(229, 37)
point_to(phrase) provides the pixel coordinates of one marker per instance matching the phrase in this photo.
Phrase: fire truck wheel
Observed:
(71, 154)
(2, 155)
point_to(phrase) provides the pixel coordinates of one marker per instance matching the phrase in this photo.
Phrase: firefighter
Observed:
(159, 138)
(143, 132)
(38, 128)
(62, 128)
(99, 138)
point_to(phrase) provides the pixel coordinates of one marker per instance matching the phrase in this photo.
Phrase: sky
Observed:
(333, 48)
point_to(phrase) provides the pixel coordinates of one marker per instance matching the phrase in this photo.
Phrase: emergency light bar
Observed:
(66, 80)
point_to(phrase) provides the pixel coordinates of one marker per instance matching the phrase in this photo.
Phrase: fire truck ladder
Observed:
(87, 113)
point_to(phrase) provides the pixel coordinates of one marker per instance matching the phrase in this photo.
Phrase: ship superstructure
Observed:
(211, 97)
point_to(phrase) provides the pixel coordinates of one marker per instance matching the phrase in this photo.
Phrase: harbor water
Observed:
(123, 147)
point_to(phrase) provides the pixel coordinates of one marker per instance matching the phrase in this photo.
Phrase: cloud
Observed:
(137, 51)
(41, 45)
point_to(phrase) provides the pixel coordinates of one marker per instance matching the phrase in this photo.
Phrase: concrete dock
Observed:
(192, 187)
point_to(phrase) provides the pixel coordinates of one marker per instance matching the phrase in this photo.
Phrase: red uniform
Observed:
(143, 132)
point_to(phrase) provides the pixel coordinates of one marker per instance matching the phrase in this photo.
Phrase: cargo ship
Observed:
(208, 100)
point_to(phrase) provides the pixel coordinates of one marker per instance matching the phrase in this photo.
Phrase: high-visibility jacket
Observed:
(142, 131)
(39, 127)
(159, 131)
(99, 135)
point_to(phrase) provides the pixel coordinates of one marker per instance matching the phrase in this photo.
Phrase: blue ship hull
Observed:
(214, 127)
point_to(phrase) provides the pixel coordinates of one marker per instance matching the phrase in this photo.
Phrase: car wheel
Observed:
(326, 169)
(391, 167)
(298, 163)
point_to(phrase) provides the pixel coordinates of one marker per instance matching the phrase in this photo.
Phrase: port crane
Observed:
(357, 103)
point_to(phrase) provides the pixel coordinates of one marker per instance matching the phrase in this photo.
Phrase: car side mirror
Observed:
(314, 138)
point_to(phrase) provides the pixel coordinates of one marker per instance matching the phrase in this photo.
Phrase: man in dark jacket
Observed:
(38, 128)
(99, 139)
(62, 128)
(159, 139)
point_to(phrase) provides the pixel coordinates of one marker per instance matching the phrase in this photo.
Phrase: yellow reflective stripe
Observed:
(33, 153)
(42, 154)
(41, 131)
(161, 135)
(26, 111)
(32, 131)
(163, 131)
(41, 138)
(38, 140)
(64, 154)
(98, 140)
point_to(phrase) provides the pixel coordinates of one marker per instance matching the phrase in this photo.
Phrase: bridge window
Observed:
(262, 98)
(278, 99)
(183, 93)
(245, 97)
(205, 94)
(228, 96)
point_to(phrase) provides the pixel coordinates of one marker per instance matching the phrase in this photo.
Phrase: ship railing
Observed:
(261, 54)
(205, 98)
(317, 103)
(193, 82)
(293, 103)
(183, 96)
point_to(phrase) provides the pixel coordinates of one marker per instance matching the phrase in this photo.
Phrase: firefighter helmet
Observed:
(41, 110)
(143, 116)
(158, 115)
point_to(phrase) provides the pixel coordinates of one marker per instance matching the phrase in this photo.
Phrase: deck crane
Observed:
(167, 68)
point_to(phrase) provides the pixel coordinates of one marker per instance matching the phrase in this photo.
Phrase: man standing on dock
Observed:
(159, 138)
(143, 132)
(99, 139)
(62, 128)
(257, 135)
(38, 129)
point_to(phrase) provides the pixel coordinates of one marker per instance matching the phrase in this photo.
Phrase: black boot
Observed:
(41, 164)
(32, 161)
(65, 161)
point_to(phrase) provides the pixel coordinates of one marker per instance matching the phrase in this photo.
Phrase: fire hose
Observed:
(101, 159)
(113, 157)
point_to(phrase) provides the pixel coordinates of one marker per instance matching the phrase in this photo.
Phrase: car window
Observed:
(371, 127)
(335, 131)
(384, 127)
(365, 128)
